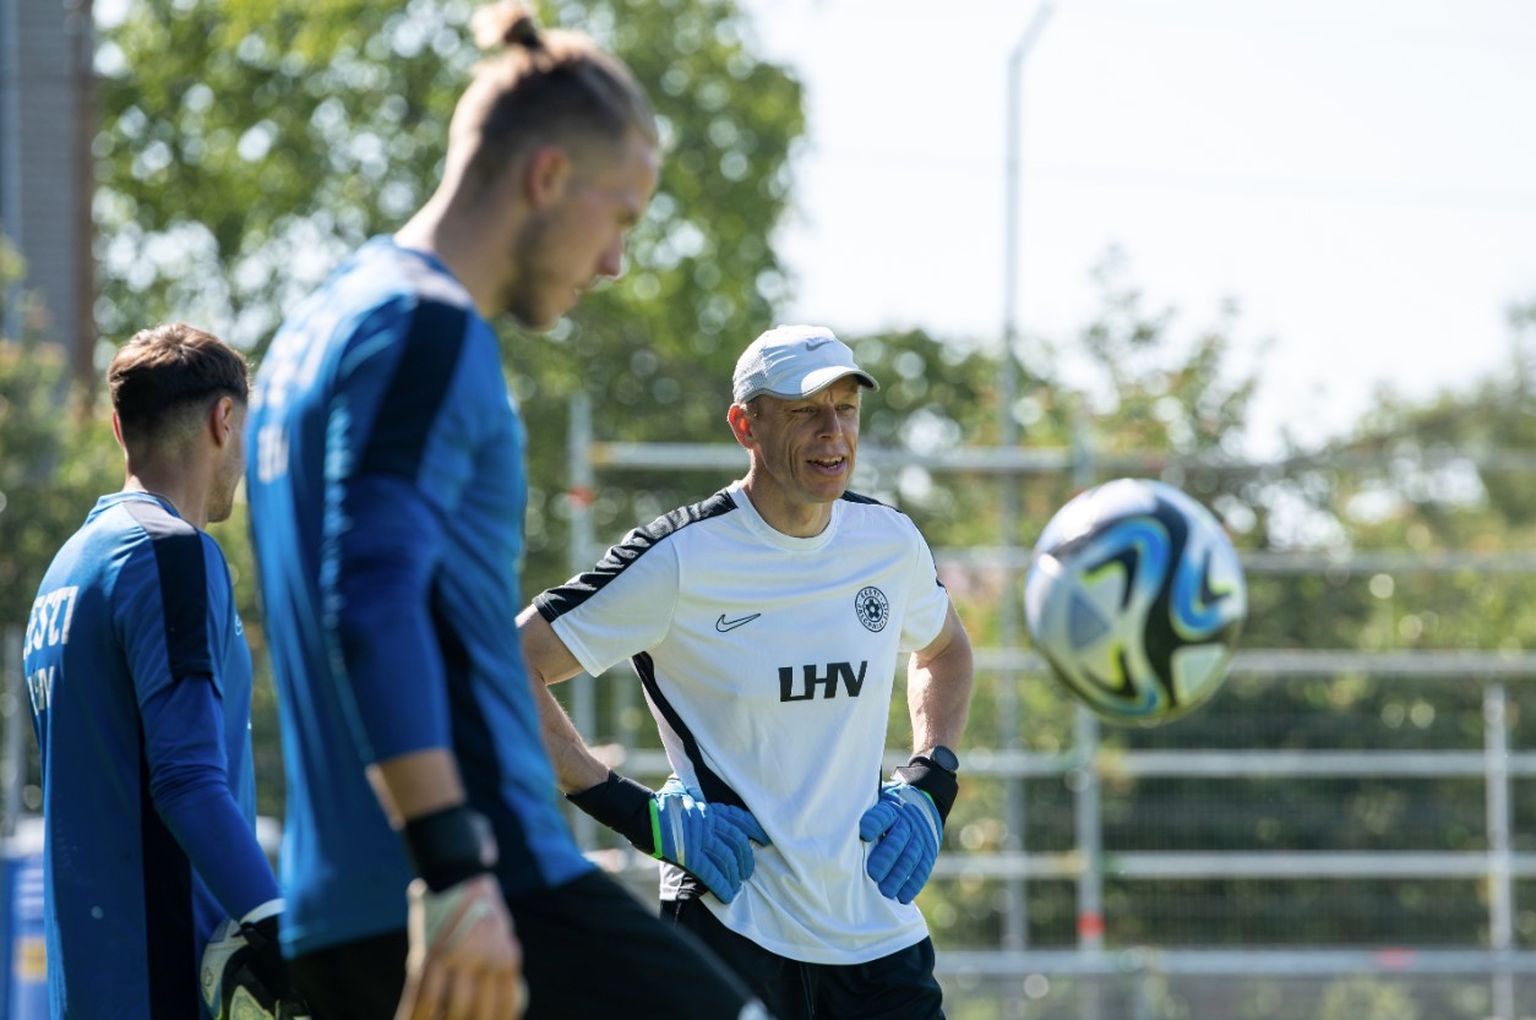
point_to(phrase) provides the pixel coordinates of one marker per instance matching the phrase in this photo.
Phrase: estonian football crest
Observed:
(872, 608)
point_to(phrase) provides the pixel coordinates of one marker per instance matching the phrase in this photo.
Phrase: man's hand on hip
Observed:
(713, 842)
(906, 829)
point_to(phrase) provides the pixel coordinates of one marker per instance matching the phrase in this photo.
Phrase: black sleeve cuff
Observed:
(623, 805)
(940, 784)
(448, 846)
(266, 959)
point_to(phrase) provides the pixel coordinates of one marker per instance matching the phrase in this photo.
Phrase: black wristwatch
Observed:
(943, 757)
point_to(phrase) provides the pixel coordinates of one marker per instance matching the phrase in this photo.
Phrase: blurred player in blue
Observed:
(140, 683)
(426, 863)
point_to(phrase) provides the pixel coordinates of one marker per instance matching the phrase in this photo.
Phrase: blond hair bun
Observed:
(507, 23)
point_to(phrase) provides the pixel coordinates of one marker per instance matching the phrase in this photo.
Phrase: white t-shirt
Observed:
(768, 662)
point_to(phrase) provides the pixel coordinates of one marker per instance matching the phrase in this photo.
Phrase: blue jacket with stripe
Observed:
(387, 493)
(140, 684)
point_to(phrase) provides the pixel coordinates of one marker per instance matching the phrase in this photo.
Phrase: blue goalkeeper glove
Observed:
(712, 842)
(906, 826)
(244, 976)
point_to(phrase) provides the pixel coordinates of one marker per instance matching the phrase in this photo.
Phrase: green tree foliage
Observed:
(56, 456)
(1422, 477)
(59, 456)
(655, 350)
(247, 145)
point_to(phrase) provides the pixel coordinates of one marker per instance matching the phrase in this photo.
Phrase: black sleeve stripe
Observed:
(560, 600)
(183, 578)
(854, 497)
(479, 755)
(170, 943)
(416, 391)
(715, 789)
(862, 500)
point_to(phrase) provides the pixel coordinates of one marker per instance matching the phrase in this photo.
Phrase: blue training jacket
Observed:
(387, 493)
(140, 683)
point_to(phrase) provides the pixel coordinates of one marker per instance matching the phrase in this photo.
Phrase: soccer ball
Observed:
(1135, 597)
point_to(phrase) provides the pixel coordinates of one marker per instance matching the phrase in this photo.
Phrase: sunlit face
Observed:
(230, 467)
(565, 248)
(803, 450)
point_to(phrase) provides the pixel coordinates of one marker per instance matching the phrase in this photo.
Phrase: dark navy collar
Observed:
(137, 496)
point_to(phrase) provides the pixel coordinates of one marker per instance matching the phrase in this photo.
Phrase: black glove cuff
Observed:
(448, 846)
(623, 805)
(266, 956)
(936, 782)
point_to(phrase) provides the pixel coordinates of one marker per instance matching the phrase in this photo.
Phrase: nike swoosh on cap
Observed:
(812, 345)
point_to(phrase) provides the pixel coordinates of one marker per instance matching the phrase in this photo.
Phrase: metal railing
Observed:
(1087, 863)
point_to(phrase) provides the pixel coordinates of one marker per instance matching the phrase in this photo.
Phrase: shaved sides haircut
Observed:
(165, 375)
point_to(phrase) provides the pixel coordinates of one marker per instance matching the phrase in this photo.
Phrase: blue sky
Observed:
(1358, 175)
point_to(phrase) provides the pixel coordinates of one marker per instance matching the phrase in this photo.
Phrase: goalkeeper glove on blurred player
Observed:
(244, 976)
(906, 826)
(463, 957)
(712, 842)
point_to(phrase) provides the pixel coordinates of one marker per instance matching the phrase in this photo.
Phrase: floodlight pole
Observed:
(1015, 914)
(1011, 202)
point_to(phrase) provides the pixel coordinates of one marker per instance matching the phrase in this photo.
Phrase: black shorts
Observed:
(589, 950)
(900, 986)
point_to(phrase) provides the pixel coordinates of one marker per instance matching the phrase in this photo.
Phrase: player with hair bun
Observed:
(387, 495)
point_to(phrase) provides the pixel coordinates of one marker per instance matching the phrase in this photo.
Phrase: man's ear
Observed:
(740, 420)
(545, 174)
(221, 420)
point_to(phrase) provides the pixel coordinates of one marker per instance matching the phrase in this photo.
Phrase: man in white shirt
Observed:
(765, 624)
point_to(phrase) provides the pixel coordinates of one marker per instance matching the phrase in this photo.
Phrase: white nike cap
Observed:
(794, 362)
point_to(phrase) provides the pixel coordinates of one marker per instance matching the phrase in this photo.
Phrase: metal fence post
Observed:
(1010, 737)
(1500, 884)
(585, 549)
(579, 499)
(1087, 805)
(1088, 822)
(13, 699)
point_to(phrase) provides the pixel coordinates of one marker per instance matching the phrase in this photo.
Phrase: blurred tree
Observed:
(1446, 474)
(1134, 379)
(59, 455)
(1365, 998)
(248, 144)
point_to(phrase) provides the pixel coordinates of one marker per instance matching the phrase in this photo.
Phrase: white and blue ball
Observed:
(1135, 597)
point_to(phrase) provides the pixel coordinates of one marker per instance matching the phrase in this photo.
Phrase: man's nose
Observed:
(611, 264)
